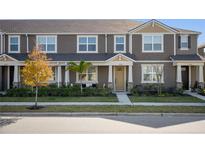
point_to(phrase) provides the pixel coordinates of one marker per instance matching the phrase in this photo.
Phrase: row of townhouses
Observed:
(124, 53)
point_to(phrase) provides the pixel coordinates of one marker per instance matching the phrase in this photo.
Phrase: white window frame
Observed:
(96, 81)
(142, 73)
(182, 48)
(55, 36)
(204, 50)
(9, 47)
(124, 43)
(78, 43)
(153, 51)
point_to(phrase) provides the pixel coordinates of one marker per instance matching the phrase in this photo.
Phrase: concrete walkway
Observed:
(100, 104)
(194, 94)
(123, 98)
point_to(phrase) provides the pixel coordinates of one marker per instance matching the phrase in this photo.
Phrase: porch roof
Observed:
(186, 57)
(72, 56)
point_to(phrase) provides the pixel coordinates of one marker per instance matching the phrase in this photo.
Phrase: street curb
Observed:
(70, 114)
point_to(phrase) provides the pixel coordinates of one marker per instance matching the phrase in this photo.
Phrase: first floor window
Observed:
(47, 43)
(87, 43)
(119, 43)
(184, 41)
(152, 43)
(152, 73)
(90, 75)
(14, 43)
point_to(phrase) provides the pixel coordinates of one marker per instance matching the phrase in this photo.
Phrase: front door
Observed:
(119, 78)
(185, 77)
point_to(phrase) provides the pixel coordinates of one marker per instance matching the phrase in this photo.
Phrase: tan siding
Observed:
(153, 29)
(110, 43)
(102, 75)
(192, 50)
(67, 43)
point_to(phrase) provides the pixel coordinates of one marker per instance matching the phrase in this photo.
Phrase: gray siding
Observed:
(23, 41)
(168, 48)
(193, 48)
(102, 75)
(169, 74)
(31, 42)
(101, 43)
(110, 43)
(67, 43)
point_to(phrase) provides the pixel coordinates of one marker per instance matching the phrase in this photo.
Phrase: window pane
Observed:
(82, 40)
(14, 47)
(91, 47)
(147, 47)
(42, 40)
(157, 47)
(14, 40)
(184, 38)
(157, 39)
(147, 77)
(148, 39)
(120, 40)
(82, 48)
(184, 45)
(119, 47)
(51, 47)
(92, 40)
(51, 40)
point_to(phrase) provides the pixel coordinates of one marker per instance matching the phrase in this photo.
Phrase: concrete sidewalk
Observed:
(100, 104)
(194, 94)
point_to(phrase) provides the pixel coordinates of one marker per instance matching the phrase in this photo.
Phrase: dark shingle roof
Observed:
(72, 56)
(73, 26)
(67, 26)
(186, 57)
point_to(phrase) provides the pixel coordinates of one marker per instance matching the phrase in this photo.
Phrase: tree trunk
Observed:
(36, 98)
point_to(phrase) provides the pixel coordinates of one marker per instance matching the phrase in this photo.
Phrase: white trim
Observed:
(175, 44)
(1, 43)
(106, 43)
(189, 77)
(110, 78)
(96, 51)
(130, 43)
(124, 43)
(130, 74)
(142, 73)
(5, 55)
(8, 77)
(27, 44)
(9, 44)
(152, 35)
(119, 54)
(87, 82)
(56, 43)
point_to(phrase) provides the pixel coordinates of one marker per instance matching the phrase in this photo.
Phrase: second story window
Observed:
(87, 44)
(184, 44)
(14, 44)
(152, 43)
(119, 43)
(47, 43)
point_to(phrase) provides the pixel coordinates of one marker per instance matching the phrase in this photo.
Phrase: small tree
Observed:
(82, 67)
(36, 72)
(159, 71)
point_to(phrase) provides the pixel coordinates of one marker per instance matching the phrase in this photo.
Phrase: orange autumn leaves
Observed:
(36, 71)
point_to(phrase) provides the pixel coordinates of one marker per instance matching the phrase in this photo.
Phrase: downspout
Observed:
(27, 46)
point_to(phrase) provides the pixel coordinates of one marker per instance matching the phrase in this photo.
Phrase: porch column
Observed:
(59, 76)
(16, 74)
(190, 78)
(67, 77)
(179, 76)
(110, 85)
(8, 77)
(201, 76)
(130, 78)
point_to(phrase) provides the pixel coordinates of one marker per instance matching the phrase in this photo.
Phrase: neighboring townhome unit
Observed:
(123, 53)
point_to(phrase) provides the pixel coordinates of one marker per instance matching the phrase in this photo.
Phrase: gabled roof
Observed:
(186, 57)
(201, 46)
(73, 56)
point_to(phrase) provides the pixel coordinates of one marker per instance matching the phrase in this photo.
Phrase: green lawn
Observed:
(164, 99)
(60, 99)
(115, 109)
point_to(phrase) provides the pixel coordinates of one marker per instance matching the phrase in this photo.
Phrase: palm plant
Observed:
(82, 67)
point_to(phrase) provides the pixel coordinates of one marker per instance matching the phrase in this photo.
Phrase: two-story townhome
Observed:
(124, 53)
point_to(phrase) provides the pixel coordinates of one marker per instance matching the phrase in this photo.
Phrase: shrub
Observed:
(62, 91)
